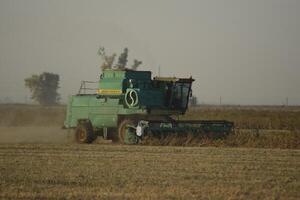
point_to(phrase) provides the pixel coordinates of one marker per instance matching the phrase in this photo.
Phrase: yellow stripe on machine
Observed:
(109, 91)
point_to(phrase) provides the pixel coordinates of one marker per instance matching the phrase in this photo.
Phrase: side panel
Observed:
(152, 98)
(101, 112)
(77, 108)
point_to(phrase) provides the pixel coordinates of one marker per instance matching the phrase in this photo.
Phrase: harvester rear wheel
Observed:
(122, 129)
(84, 133)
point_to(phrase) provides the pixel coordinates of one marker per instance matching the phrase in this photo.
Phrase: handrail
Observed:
(83, 87)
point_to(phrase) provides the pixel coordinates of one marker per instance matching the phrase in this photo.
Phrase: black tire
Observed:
(122, 129)
(84, 133)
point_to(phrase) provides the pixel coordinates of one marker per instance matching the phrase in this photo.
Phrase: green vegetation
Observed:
(44, 88)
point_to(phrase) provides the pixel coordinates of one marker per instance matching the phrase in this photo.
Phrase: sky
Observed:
(245, 51)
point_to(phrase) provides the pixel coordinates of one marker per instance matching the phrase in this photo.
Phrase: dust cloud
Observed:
(34, 134)
(33, 124)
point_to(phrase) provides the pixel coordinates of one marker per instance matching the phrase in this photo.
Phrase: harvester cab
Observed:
(129, 105)
(136, 89)
(177, 92)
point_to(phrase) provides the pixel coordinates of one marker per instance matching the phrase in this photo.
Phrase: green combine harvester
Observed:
(130, 105)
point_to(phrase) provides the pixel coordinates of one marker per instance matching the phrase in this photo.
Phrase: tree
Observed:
(123, 59)
(44, 88)
(136, 64)
(108, 60)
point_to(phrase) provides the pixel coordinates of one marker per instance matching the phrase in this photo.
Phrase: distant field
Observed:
(256, 126)
(244, 117)
(31, 115)
(32, 171)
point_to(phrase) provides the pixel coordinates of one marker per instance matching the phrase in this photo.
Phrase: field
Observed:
(38, 160)
(144, 172)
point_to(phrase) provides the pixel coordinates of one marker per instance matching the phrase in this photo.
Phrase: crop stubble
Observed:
(145, 172)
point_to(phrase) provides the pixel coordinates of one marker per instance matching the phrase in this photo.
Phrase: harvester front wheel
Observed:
(84, 133)
(122, 129)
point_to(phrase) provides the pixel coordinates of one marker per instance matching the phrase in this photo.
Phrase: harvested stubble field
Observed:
(94, 171)
(39, 161)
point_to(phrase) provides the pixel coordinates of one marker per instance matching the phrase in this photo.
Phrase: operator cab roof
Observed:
(126, 74)
(139, 75)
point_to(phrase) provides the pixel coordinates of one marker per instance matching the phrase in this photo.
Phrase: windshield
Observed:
(181, 95)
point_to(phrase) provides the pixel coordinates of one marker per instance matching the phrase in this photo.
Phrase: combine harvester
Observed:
(129, 106)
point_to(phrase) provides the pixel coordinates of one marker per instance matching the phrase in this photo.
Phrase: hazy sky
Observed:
(247, 51)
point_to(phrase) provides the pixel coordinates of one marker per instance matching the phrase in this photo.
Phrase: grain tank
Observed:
(129, 105)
